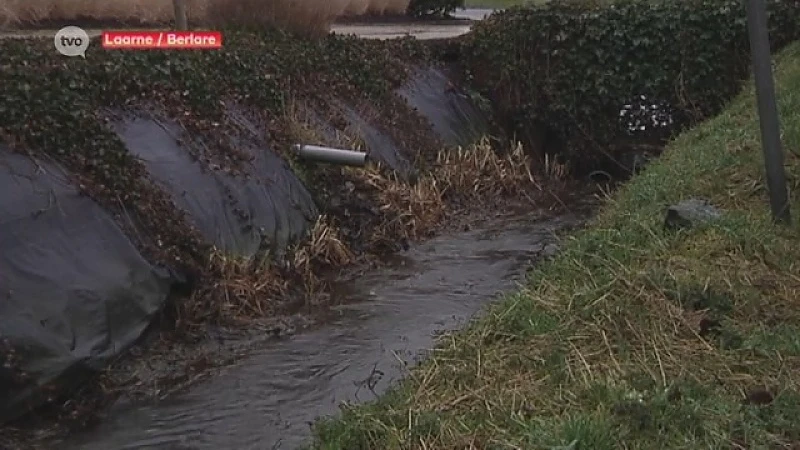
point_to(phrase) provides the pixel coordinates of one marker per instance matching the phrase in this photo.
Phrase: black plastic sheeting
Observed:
(235, 213)
(74, 291)
(452, 114)
(380, 146)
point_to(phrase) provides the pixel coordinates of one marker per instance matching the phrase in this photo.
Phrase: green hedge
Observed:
(571, 67)
(420, 8)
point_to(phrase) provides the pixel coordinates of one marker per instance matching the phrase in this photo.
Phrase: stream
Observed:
(390, 316)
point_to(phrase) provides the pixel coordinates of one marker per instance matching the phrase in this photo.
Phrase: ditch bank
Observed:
(185, 158)
(156, 191)
(387, 318)
(637, 334)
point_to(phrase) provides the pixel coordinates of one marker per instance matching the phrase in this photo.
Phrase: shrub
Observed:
(420, 8)
(570, 68)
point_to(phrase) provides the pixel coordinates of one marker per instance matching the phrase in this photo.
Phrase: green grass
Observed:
(632, 337)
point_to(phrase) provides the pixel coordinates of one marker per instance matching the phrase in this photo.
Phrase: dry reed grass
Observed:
(555, 169)
(324, 249)
(462, 177)
(247, 289)
(307, 15)
(472, 176)
(480, 172)
(410, 211)
(239, 292)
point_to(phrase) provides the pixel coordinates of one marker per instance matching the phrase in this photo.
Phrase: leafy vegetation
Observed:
(53, 105)
(433, 7)
(633, 335)
(570, 67)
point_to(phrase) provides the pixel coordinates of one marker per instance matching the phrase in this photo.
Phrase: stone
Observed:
(689, 213)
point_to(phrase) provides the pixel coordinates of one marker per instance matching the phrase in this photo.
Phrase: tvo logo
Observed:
(72, 41)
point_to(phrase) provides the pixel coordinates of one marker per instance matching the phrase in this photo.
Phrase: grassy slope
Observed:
(631, 335)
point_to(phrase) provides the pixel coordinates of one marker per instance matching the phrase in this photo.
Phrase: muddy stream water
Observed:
(391, 316)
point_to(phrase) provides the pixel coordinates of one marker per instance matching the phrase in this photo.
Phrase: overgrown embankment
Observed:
(55, 106)
(187, 155)
(633, 335)
(559, 74)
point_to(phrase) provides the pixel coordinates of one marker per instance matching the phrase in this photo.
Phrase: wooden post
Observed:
(180, 14)
(767, 110)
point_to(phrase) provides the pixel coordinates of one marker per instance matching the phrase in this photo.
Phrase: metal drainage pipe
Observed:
(330, 155)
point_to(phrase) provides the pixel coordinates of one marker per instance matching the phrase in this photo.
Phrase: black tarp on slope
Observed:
(232, 212)
(74, 291)
(452, 114)
(380, 146)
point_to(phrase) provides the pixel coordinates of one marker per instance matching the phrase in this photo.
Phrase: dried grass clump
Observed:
(410, 211)
(26, 12)
(324, 249)
(241, 290)
(555, 169)
(385, 6)
(477, 174)
(308, 16)
(480, 172)
(247, 289)
(305, 15)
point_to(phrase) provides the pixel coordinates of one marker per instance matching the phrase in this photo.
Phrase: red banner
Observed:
(142, 40)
